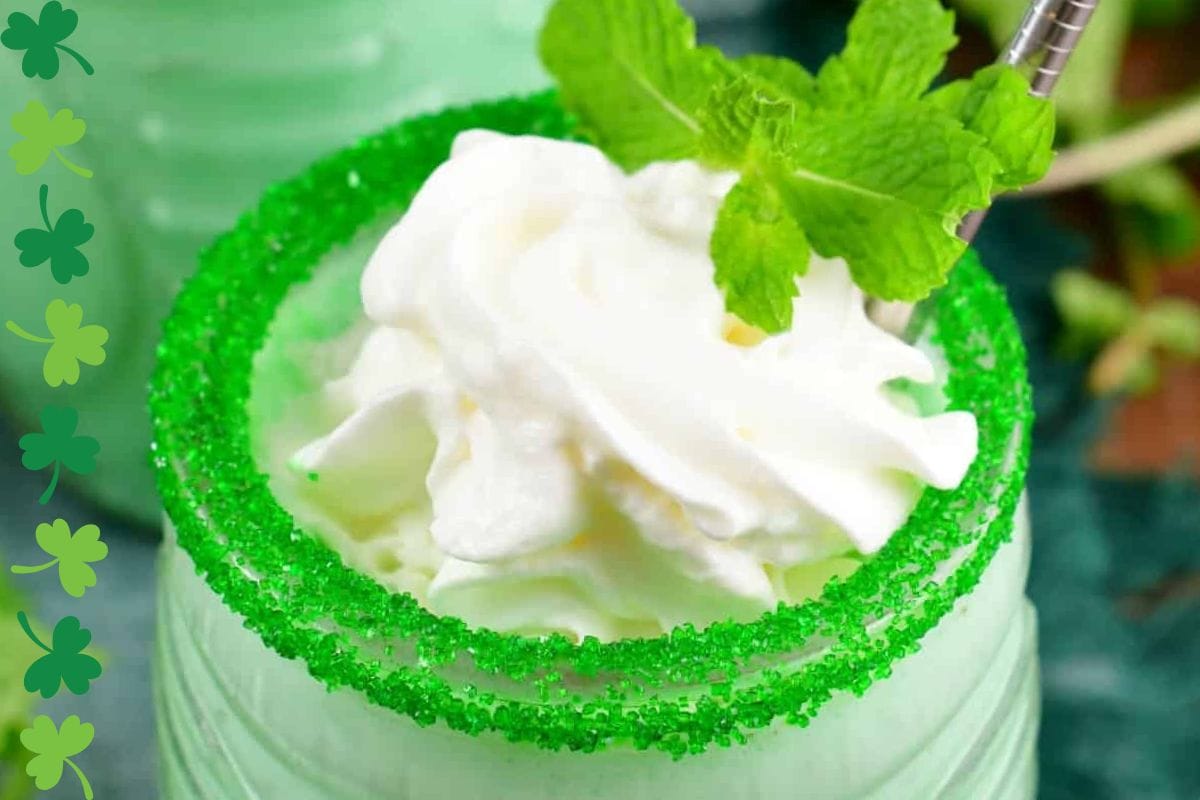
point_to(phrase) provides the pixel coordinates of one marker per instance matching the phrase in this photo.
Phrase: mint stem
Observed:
(26, 335)
(19, 570)
(83, 781)
(83, 62)
(82, 172)
(43, 196)
(46, 495)
(24, 620)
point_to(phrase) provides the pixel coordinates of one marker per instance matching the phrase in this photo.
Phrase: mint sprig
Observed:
(631, 71)
(860, 161)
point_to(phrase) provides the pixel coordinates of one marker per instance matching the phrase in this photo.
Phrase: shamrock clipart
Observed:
(58, 445)
(57, 243)
(54, 747)
(43, 40)
(73, 554)
(65, 663)
(71, 343)
(44, 136)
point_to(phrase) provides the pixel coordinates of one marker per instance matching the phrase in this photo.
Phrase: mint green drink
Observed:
(424, 708)
(195, 108)
(544, 447)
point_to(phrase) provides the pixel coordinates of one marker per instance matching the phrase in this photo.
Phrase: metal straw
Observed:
(1051, 28)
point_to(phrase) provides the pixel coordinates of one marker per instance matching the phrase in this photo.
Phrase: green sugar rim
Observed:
(680, 692)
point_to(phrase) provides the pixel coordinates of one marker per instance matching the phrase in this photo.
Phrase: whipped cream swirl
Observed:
(571, 432)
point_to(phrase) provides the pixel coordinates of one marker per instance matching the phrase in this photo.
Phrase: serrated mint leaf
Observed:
(1019, 128)
(885, 188)
(632, 73)
(744, 122)
(786, 77)
(894, 50)
(859, 162)
(759, 251)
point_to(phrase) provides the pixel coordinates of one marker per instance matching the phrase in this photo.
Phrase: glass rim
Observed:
(304, 602)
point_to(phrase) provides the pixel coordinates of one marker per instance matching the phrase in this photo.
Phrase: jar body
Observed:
(957, 720)
(218, 99)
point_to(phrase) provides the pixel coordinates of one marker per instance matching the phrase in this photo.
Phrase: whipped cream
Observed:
(562, 428)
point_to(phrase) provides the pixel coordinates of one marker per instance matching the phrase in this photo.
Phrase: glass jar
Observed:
(195, 107)
(281, 672)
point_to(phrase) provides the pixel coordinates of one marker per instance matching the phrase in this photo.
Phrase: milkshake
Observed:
(490, 469)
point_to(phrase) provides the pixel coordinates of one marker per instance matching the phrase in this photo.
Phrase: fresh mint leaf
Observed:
(1086, 95)
(631, 71)
(1019, 128)
(759, 251)
(894, 50)
(787, 78)
(858, 163)
(744, 123)
(885, 188)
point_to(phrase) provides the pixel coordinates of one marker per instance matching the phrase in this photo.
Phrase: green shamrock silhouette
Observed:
(59, 244)
(69, 343)
(42, 40)
(43, 136)
(65, 664)
(72, 555)
(57, 444)
(53, 747)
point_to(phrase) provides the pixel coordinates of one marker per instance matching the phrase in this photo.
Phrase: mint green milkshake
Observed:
(545, 447)
(799, 699)
(216, 100)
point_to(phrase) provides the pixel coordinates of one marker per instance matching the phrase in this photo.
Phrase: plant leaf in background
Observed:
(58, 445)
(43, 135)
(42, 40)
(65, 663)
(1163, 12)
(1159, 211)
(1131, 338)
(70, 343)
(54, 747)
(72, 554)
(57, 243)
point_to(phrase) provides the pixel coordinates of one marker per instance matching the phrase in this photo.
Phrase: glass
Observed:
(426, 708)
(196, 106)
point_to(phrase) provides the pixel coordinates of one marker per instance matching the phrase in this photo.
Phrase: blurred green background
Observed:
(198, 104)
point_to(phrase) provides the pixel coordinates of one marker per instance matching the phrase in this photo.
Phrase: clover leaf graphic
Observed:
(71, 554)
(69, 343)
(53, 748)
(44, 135)
(65, 664)
(58, 243)
(57, 444)
(42, 40)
